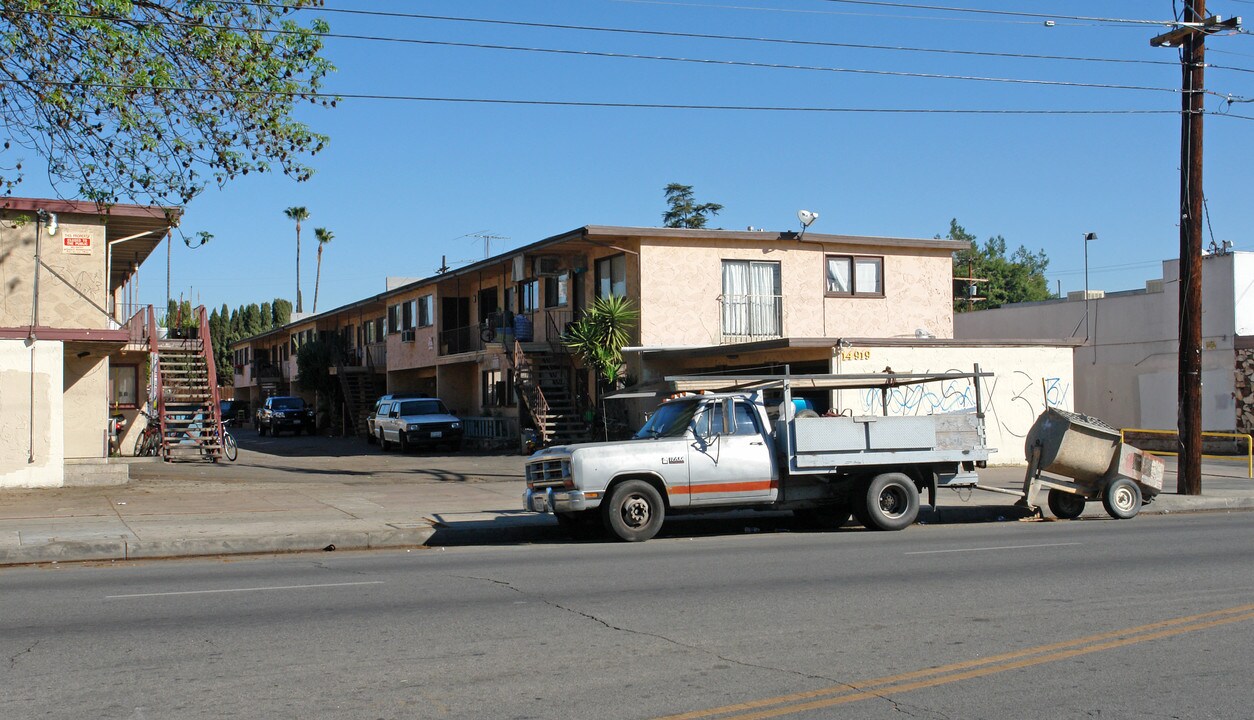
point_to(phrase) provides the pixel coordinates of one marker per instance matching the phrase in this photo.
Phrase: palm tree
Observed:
(298, 214)
(324, 236)
(599, 336)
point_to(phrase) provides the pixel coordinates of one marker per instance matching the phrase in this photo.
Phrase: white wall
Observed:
(32, 439)
(1125, 373)
(1025, 379)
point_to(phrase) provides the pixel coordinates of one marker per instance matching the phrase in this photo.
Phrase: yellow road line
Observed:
(853, 692)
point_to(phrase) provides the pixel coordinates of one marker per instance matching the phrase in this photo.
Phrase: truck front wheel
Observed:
(891, 502)
(634, 511)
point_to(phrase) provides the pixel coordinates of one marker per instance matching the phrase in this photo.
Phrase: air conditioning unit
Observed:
(548, 265)
(407, 336)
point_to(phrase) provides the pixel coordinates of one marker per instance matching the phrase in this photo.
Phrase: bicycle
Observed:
(229, 448)
(149, 443)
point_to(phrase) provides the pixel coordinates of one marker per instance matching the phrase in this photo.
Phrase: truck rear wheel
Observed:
(634, 511)
(891, 502)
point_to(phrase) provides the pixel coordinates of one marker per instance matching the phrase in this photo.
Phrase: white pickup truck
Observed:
(724, 450)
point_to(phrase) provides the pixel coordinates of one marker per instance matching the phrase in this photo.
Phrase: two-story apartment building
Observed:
(69, 271)
(485, 337)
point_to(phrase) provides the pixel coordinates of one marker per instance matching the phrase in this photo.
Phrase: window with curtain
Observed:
(852, 275)
(123, 385)
(611, 276)
(752, 302)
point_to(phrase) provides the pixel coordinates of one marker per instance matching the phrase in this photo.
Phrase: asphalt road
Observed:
(1144, 619)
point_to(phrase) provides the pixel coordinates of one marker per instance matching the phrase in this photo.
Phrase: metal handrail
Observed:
(206, 349)
(536, 402)
(1249, 445)
(555, 341)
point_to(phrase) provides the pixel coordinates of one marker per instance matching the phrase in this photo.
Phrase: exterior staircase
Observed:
(361, 386)
(187, 394)
(545, 380)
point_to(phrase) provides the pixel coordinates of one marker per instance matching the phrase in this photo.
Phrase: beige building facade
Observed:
(68, 271)
(710, 301)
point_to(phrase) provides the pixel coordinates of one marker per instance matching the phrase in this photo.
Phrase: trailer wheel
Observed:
(891, 502)
(634, 511)
(1065, 505)
(1122, 499)
(827, 517)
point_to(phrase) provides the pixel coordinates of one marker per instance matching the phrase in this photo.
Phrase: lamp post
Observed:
(1087, 238)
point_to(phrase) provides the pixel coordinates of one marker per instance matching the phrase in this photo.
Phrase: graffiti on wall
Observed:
(1011, 401)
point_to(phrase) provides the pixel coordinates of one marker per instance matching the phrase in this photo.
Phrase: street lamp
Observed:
(1087, 237)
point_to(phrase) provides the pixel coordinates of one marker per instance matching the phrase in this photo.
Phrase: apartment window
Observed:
(555, 290)
(407, 315)
(497, 389)
(426, 311)
(611, 276)
(394, 319)
(123, 385)
(511, 299)
(853, 275)
(528, 302)
(752, 302)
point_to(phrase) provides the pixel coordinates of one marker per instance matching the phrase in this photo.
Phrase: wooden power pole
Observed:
(1190, 37)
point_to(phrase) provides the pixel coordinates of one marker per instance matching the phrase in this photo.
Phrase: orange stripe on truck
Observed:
(750, 486)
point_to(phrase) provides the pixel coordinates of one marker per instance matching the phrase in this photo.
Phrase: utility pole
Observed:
(1190, 37)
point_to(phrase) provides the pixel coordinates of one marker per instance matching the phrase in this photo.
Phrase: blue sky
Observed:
(403, 183)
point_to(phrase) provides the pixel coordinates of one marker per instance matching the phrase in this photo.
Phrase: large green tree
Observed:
(152, 100)
(684, 210)
(1002, 279)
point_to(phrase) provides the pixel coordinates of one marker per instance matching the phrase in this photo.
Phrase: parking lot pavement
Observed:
(311, 493)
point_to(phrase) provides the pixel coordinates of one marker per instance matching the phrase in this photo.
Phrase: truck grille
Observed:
(548, 473)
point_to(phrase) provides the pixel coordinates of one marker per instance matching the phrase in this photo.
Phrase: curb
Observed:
(73, 551)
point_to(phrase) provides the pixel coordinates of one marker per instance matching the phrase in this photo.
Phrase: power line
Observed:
(332, 98)
(895, 16)
(1006, 13)
(626, 31)
(697, 61)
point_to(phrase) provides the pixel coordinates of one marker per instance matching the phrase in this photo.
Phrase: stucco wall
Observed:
(680, 285)
(1025, 379)
(1125, 373)
(86, 382)
(72, 282)
(31, 459)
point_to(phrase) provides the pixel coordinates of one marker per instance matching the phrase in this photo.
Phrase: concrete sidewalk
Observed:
(263, 505)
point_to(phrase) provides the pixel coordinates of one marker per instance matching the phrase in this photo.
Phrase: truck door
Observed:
(730, 462)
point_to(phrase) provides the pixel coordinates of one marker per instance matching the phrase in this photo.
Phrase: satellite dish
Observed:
(807, 217)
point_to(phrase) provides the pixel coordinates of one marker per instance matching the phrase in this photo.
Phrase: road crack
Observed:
(643, 633)
(13, 659)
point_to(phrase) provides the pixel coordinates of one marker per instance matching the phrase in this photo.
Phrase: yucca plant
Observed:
(599, 336)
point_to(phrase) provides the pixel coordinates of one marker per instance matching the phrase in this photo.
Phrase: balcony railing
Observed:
(468, 338)
(744, 318)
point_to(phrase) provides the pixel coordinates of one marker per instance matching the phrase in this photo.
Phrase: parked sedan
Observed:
(419, 422)
(284, 413)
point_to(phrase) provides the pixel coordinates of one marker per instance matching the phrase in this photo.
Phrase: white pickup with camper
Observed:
(735, 449)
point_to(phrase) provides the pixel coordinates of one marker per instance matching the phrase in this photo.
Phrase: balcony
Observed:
(745, 318)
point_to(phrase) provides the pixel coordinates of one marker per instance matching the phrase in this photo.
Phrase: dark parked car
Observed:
(284, 413)
(235, 412)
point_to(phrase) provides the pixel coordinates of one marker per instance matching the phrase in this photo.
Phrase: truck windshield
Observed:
(670, 420)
